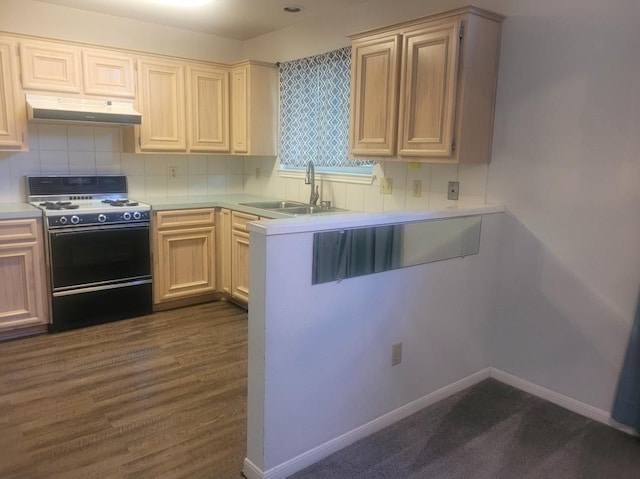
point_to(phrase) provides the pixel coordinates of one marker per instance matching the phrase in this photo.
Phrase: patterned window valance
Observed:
(314, 111)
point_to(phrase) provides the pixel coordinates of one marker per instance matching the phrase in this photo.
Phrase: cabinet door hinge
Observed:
(461, 33)
(453, 145)
(17, 50)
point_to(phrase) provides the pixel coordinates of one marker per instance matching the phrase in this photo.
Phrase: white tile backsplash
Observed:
(108, 138)
(81, 138)
(54, 162)
(108, 162)
(80, 149)
(52, 137)
(82, 162)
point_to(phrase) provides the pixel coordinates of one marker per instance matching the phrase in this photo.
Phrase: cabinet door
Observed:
(374, 95)
(224, 250)
(240, 265)
(22, 280)
(240, 254)
(107, 74)
(240, 114)
(428, 91)
(50, 67)
(208, 109)
(12, 119)
(162, 99)
(186, 263)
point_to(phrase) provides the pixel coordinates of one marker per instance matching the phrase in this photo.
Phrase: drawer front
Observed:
(18, 230)
(185, 218)
(239, 220)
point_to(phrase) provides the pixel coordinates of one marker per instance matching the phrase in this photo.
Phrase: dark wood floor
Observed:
(158, 396)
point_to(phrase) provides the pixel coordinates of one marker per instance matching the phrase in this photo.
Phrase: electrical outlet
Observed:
(386, 186)
(258, 173)
(396, 354)
(417, 188)
(172, 171)
(453, 190)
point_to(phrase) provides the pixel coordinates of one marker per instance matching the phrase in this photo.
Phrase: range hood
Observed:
(81, 109)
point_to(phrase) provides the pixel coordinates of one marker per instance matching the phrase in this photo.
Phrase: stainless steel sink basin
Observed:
(274, 205)
(307, 210)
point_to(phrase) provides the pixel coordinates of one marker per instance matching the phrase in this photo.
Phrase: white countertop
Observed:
(18, 210)
(352, 219)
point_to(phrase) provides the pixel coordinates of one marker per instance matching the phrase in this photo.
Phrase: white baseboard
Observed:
(312, 456)
(251, 471)
(553, 397)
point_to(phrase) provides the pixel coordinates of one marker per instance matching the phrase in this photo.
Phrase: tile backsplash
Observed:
(80, 149)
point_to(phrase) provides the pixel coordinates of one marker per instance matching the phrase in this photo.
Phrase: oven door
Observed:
(82, 257)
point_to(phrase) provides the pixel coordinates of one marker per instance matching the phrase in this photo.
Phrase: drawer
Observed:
(185, 218)
(19, 230)
(239, 220)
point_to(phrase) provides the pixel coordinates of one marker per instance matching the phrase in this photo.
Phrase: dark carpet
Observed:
(489, 431)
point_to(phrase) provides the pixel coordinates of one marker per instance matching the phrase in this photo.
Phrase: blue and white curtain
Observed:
(314, 110)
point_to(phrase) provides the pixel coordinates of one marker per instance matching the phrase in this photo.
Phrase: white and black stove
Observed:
(97, 248)
(84, 200)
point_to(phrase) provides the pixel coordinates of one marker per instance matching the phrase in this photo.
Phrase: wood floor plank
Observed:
(159, 396)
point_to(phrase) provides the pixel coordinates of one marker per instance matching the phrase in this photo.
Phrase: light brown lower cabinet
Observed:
(199, 255)
(240, 255)
(23, 291)
(184, 262)
(223, 229)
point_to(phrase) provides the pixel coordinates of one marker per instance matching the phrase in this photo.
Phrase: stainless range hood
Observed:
(81, 110)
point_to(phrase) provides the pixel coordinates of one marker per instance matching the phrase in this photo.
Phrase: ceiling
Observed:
(237, 19)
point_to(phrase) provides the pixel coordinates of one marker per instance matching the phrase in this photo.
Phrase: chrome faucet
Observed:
(310, 179)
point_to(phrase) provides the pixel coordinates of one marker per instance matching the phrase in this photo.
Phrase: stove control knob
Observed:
(75, 220)
(63, 220)
(126, 215)
(137, 215)
(102, 218)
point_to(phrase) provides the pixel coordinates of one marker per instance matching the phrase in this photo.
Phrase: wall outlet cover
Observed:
(386, 186)
(453, 190)
(417, 188)
(396, 354)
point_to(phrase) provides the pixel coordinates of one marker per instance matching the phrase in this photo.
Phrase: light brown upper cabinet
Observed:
(425, 90)
(374, 95)
(108, 74)
(50, 66)
(161, 99)
(70, 69)
(254, 109)
(12, 119)
(208, 108)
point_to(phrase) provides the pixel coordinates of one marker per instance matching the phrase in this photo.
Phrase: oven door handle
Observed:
(103, 287)
(88, 229)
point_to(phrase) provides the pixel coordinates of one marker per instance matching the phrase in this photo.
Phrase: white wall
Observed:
(41, 19)
(327, 347)
(565, 162)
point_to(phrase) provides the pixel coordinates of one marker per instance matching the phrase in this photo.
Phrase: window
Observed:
(314, 114)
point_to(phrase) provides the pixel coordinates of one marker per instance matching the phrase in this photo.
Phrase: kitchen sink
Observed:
(293, 208)
(274, 205)
(307, 210)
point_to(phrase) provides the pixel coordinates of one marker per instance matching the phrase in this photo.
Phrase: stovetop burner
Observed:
(58, 205)
(121, 202)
